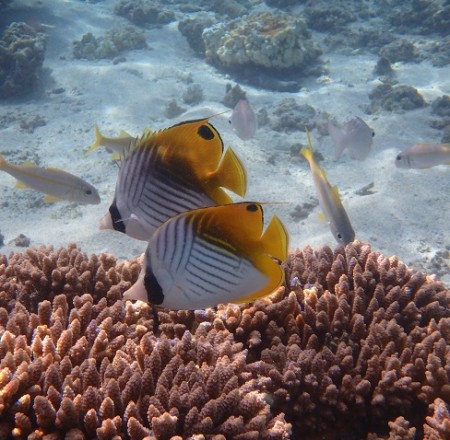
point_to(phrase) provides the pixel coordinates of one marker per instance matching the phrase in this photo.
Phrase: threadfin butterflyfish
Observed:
(199, 144)
(423, 156)
(212, 255)
(56, 184)
(329, 199)
(355, 135)
(155, 183)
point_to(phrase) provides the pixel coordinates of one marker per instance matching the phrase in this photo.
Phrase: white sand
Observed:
(406, 216)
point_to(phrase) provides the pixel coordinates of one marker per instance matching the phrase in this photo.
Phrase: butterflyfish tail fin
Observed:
(275, 274)
(231, 173)
(276, 239)
(97, 142)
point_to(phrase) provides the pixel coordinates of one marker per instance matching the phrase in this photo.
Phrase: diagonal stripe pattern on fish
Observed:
(165, 173)
(212, 255)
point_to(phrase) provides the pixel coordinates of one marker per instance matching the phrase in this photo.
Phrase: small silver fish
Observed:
(329, 199)
(355, 135)
(243, 120)
(55, 183)
(423, 156)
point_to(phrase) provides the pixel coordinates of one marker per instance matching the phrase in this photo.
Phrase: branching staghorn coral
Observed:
(358, 349)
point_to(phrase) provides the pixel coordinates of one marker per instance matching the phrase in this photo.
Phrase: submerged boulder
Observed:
(22, 52)
(266, 42)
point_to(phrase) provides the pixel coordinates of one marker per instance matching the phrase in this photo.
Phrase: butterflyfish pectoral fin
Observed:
(51, 199)
(231, 174)
(276, 239)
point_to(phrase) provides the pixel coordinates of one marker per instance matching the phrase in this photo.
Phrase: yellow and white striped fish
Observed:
(55, 183)
(118, 144)
(213, 255)
(157, 181)
(329, 199)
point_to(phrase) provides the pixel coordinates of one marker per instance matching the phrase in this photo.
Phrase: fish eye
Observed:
(399, 157)
(205, 132)
(252, 207)
(88, 192)
(373, 133)
(339, 236)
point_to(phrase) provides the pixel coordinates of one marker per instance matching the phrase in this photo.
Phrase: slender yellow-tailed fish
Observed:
(117, 144)
(329, 199)
(172, 171)
(55, 183)
(210, 256)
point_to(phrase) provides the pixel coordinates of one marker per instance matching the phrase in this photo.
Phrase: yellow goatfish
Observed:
(116, 145)
(55, 183)
(329, 199)
(213, 255)
(423, 156)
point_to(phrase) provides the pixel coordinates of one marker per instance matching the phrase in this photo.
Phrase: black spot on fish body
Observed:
(205, 132)
(252, 207)
(373, 134)
(116, 218)
(154, 291)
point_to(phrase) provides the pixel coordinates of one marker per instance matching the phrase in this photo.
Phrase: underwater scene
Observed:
(224, 220)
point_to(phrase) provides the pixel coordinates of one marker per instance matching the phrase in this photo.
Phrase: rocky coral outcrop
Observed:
(22, 52)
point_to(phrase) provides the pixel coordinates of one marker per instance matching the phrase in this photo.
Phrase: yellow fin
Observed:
(231, 174)
(97, 142)
(273, 271)
(51, 199)
(276, 239)
(116, 157)
(28, 164)
(20, 185)
(220, 196)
